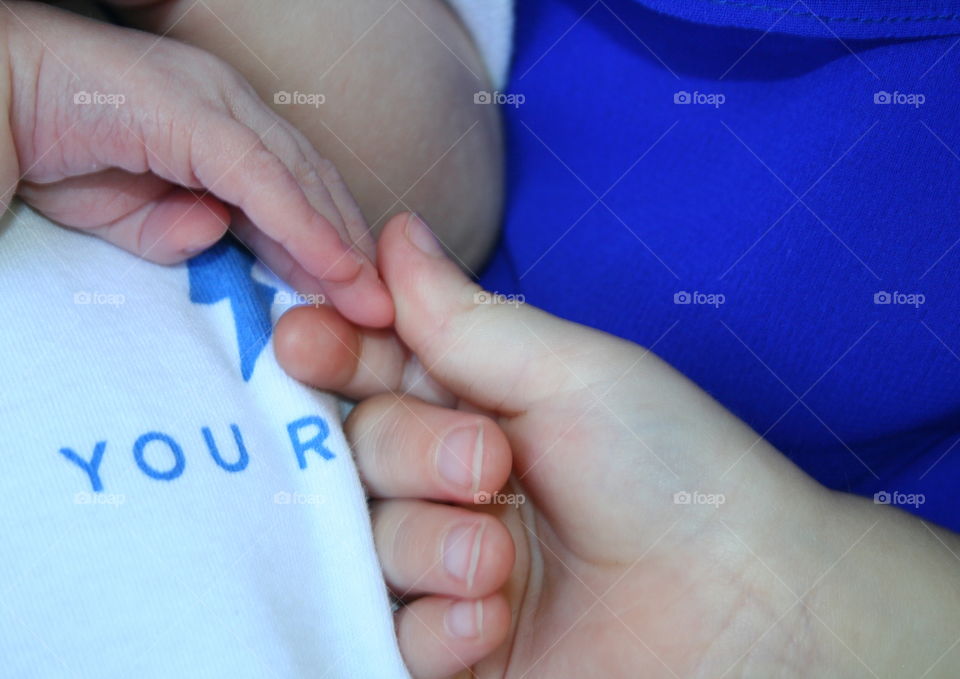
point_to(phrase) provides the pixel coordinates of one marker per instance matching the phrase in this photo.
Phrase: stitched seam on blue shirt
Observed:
(811, 15)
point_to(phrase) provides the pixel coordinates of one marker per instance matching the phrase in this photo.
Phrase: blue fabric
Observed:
(622, 203)
(860, 19)
(225, 272)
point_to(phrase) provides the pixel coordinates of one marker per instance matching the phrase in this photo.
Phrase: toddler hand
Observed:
(646, 532)
(630, 512)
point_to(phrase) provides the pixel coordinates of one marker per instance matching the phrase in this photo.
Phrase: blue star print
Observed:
(224, 272)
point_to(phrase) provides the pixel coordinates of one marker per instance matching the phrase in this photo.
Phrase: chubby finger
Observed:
(502, 357)
(241, 170)
(327, 193)
(428, 548)
(354, 223)
(142, 214)
(439, 636)
(172, 228)
(319, 347)
(279, 261)
(272, 255)
(408, 448)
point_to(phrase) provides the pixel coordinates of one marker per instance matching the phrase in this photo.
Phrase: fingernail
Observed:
(461, 552)
(358, 256)
(464, 619)
(422, 237)
(460, 457)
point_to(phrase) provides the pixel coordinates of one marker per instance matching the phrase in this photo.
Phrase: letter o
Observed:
(138, 454)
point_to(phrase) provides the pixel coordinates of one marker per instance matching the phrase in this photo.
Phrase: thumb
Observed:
(492, 350)
(140, 213)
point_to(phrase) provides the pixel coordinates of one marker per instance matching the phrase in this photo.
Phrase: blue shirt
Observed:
(767, 196)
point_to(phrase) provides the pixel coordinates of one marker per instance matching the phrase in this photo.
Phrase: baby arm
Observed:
(398, 117)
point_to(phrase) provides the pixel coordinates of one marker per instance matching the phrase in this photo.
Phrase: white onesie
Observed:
(173, 504)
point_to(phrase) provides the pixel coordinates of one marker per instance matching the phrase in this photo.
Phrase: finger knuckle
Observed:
(195, 68)
(326, 169)
(369, 412)
(306, 173)
(263, 164)
(397, 531)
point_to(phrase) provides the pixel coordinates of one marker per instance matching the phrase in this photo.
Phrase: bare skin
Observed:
(609, 574)
(398, 118)
(92, 139)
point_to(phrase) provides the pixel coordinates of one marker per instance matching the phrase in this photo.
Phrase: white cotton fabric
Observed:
(490, 22)
(202, 569)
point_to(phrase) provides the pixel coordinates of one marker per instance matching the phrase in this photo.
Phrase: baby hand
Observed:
(158, 147)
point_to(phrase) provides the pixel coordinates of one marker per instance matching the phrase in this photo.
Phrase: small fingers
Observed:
(354, 223)
(320, 347)
(142, 214)
(172, 228)
(328, 194)
(408, 448)
(439, 636)
(241, 170)
(272, 255)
